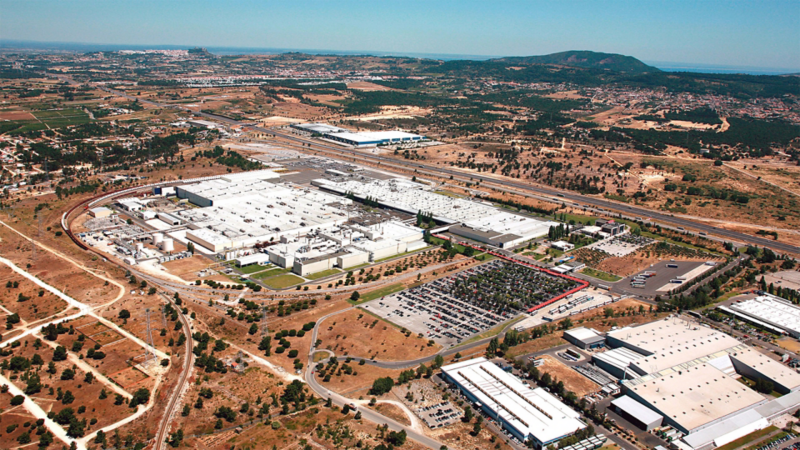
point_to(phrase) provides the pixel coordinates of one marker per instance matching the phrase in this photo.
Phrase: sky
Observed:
(740, 33)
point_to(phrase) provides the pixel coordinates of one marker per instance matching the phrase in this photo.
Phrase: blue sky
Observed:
(736, 33)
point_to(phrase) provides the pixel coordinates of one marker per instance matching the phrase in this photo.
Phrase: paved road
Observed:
(341, 400)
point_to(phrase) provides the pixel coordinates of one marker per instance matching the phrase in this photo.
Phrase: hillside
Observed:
(586, 59)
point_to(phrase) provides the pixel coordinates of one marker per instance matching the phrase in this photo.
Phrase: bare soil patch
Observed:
(358, 334)
(573, 381)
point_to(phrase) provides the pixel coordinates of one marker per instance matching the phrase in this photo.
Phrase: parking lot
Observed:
(622, 245)
(451, 309)
(658, 278)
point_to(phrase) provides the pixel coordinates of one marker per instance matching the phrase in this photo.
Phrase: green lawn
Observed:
(253, 268)
(378, 293)
(271, 273)
(323, 274)
(600, 275)
(282, 281)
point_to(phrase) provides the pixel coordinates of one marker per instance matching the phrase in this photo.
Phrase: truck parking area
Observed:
(660, 278)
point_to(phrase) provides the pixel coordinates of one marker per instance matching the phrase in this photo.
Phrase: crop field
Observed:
(43, 120)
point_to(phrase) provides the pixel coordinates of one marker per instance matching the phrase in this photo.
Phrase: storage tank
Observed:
(167, 245)
(157, 238)
(139, 246)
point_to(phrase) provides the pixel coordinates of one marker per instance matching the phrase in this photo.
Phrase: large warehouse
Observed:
(774, 312)
(360, 138)
(528, 414)
(471, 219)
(689, 374)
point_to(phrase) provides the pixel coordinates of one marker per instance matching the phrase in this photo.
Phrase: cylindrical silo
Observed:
(167, 245)
(157, 238)
(139, 246)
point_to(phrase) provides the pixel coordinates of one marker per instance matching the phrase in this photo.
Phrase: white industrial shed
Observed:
(775, 311)
(617, 362)
(584, 337)
(636, 413)
(526, 413)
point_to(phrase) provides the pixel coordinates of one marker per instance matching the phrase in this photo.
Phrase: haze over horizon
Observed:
(754, 35)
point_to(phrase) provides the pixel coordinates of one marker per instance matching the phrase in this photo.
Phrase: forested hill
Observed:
(586, 59)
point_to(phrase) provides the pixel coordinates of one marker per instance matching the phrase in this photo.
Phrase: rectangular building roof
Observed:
(255, 258)
(619, 357)
(584, 334)
(772, 310)
(768, 367)
(693, 396)
(636, 409)
(531, 411)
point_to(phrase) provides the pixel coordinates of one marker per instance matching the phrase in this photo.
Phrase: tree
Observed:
(397, 438)
(140, 397)
(190, 248)
(124, 314)
(382, 386)
(355, 296)
(438, 361)
(253, 329)
(468, 414)
(17, 400)
(59, 354)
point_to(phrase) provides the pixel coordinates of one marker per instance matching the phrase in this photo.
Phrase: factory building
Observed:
(585, 338)
(689, 374)
(528, 414)
(360, 138)
(769, 311)
(636, 413)
(471, 219)
(100, 212)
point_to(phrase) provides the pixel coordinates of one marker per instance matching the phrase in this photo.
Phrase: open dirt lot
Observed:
(573, 381)
(790, 344)
(358, 384)
(358, 334)
(643, 258)
(33, 309)
(187, 268)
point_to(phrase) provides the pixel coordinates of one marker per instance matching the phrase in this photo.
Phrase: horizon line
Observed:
(667, 66)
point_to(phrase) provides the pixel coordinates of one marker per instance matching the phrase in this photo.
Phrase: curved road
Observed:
(340, 400)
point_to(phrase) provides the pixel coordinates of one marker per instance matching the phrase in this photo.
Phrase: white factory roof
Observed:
(100, 209)
(320, 128)
(373, 136)
(681, 351)
(693, 396)
(619, 357)
(531, 411)
(255, 258)
(583, 334)
(507, 223)
(636, 409)
(772, 310)
(768, 367)
(209, 236)
(727, 430)
(671, 334)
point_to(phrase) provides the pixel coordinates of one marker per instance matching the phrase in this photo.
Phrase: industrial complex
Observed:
(686, 376)
(528, 414)
(358, 139)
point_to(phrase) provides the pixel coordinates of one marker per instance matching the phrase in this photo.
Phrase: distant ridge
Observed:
(586, 59)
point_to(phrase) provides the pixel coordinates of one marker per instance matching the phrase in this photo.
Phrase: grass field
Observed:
(271, 273)
(47, 119)
(378, 293)
(323, 274)
(253, 268)
(282, 281)
(600, 275)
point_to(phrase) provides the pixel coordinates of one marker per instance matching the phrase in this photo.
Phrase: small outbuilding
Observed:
(585, 338)
(99, 212)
